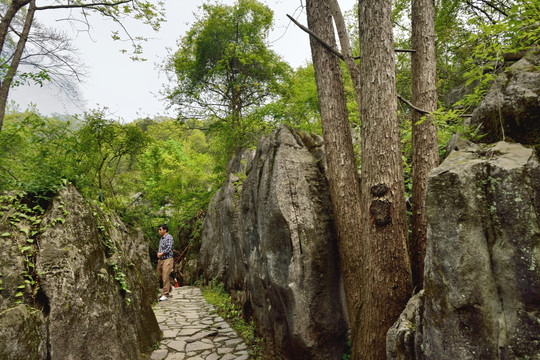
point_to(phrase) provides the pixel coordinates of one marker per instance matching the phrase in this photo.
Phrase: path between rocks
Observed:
(193, 331)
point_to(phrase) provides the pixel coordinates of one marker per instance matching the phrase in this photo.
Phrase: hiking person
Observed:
(165, 260)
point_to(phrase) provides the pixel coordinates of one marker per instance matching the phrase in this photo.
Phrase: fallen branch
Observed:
(181, 256)
(425, 111)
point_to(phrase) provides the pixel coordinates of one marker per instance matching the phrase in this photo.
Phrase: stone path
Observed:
(192, 330)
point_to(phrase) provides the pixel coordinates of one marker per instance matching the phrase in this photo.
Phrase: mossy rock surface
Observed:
(94, 285)
(511, 109)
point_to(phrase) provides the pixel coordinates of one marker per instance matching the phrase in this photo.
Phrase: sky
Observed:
(131, 90)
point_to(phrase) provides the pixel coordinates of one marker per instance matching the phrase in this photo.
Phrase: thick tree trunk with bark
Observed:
(424, 133)
(386, 281)
(342, 170)
(11, 11)
(5, 83)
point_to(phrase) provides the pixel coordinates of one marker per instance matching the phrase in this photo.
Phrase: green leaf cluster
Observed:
(35, 152)
(226, 74)
(169, 165)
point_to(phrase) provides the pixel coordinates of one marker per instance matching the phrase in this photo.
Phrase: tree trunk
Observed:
(7, 18)
(5, 83)
(424, 134)
(342, 170)
(352, 66)
(386, 281)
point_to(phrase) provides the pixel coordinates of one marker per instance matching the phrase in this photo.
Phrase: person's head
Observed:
(163, 229)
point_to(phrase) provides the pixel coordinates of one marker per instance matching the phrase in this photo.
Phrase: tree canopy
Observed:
(224, 71)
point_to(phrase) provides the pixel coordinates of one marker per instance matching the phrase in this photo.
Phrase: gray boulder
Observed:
(512, 105)
(93, 289)
(269, 237)
(482, 278)
(404, 337)
(22, 334)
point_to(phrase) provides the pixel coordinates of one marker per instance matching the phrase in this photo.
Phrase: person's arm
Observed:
(161, 249)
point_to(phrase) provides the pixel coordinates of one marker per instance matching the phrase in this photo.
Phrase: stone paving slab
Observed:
(192, 330)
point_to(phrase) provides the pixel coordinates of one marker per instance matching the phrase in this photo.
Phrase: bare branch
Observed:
(338, 54)
(81, 6)
(8, 17)
(412, 106)
(481, 10)
(316, 37)
(330, 47)
(488, 3)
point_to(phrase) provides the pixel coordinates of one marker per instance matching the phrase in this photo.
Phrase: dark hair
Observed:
(164, 227)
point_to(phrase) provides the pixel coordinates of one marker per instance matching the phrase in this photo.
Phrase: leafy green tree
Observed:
(176, 164)
(177, 177)
(35, 152)
(225, 72)
(299, 105)
(104, 148)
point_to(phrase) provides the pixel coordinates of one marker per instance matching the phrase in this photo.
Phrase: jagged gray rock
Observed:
(22, 334)
(511, 107)
(404, 336)
(269, 237)
(96, 285)
(482, 275)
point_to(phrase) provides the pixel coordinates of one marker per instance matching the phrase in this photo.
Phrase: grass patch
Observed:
(216, 295)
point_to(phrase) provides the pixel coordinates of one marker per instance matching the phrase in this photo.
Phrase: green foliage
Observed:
(518, 31)
(471, 39)
(176, 169)
(164, 161)
(25, 217)
(299, 105)
(216, 295)
(34, 154)
(347, 354)
(102, 149)
(226, 74)
(25, 78)
(176, 162)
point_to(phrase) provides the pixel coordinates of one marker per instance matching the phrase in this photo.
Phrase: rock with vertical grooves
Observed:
(269, 237)
(482, 267)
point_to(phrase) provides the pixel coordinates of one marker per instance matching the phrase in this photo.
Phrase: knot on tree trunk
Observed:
(380, 212)
(379, 190)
